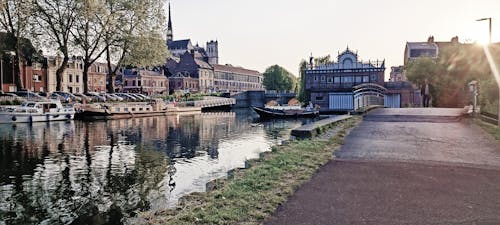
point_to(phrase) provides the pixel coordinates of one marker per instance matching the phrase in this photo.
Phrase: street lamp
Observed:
(492, 66)
(489, 19)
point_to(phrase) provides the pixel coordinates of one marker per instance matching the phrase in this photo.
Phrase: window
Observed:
(71, 78)
(319, 98)
(336, 80)
(347, 79)
(359, 79)
(322, 78)
(77, 78)
(329, 80)
(37, 78)
(366, 79)
(138, 83)
(373, 77)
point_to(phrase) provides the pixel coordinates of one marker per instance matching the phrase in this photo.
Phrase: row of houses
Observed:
(40, 76)
(187, 75)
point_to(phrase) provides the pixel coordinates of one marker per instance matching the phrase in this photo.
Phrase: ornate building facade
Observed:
(331, 85)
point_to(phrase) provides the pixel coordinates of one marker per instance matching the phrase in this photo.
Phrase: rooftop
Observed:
(237, 70)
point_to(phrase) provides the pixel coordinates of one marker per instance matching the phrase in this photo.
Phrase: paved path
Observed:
(441, 171)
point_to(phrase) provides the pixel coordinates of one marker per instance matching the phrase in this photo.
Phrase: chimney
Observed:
(430, 39)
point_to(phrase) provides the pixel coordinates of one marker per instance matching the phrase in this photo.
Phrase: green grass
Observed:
(251, 195)
(490, 128)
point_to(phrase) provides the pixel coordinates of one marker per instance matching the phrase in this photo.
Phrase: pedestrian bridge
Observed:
(212, 102)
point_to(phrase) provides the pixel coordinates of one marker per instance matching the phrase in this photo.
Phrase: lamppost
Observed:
(489, 19)
(1, 73)
(492, 65)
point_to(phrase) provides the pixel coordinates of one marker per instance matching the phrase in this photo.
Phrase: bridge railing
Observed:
(366, 95)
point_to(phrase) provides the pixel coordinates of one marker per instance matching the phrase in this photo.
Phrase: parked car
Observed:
(56, 96)
(95, 97)
(108, 97)
(68, 96)
(29, 95)
(126, 96)
(43, 94)
(118, 98)
(8, 95)
(137, 97)
(144, 97)
(82, 96)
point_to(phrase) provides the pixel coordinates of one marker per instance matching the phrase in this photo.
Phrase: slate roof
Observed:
(421, 45)
(179, 44)
(235, 70)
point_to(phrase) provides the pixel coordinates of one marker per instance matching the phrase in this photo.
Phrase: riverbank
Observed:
(251, 195)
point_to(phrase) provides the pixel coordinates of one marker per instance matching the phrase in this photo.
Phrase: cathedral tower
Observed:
(213, 52)
(170, 33)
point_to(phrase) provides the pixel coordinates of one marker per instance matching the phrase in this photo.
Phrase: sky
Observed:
(256, 34)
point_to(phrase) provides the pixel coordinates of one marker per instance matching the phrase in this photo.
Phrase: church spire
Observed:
(170, 33)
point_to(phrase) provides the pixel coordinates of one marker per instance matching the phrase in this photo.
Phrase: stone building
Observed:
(331, 85)
(97, 77)
(430, 48)
(397, 74)
(228, 78)
(182, 82)
(190, 63)
(72, 78)
(191, 66)
(144, 81)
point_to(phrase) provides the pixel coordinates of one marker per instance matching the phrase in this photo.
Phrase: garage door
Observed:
(392, 101)
(341, 101)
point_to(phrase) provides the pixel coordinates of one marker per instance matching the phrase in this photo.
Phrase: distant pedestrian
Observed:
(426, 91)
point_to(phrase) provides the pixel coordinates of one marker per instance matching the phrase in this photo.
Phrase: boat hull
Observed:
(34, 117)
(272, 113)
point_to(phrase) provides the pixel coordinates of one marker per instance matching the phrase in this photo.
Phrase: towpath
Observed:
(404, 166)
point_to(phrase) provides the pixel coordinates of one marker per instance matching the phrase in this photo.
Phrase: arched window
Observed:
(347, 63)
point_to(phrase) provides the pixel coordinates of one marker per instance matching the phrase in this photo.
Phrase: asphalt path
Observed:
(403, 167)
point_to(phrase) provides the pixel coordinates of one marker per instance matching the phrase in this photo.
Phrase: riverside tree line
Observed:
(122, 32)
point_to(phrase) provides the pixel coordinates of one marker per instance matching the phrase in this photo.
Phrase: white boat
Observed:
(36, 111)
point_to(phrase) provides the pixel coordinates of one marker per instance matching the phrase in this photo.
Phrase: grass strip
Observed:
(490, 128)
(251, 195)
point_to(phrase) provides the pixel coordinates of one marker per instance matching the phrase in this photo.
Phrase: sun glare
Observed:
(476, 33)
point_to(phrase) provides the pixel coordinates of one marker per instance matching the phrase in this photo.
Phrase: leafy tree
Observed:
(303, 95)
(449, 74)
(279, 79)
(134, 38)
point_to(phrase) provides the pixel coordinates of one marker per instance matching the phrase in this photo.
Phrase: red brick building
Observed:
(97, 77)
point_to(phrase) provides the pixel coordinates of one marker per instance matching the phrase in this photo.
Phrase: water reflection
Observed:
(104, 172)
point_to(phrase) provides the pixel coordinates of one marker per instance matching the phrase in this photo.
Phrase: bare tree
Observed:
(90, 33)
(56, 19)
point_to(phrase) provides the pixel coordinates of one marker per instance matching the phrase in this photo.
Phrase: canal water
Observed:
(105, 172)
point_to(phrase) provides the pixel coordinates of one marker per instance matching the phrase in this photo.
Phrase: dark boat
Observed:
(285, 112)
